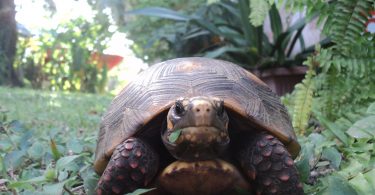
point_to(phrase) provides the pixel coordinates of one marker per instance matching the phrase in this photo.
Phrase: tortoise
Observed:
(197, 126)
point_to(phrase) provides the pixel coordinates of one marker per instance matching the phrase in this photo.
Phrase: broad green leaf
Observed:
(54, 188)
(161, 13)
(196, 34)
(36, 151)
(90, 182)
(26, 184)
(6, 144)
(371, 109)
(338, 185)
(335, 129)
(333, 156)
(62, 175)
(16, 126)
(361, 185)
(222, 50)
(370, 177)
(174, 135)
(209, 26)
(251, 36)
(53, 132)
(14, 159)
(64, 161)
(140, 191)
(75, 145)
(24, 142)
(351, 169)
(317, 139)
(303, 165)
(276, 24)
(31, 173)
(364, 128)
(230, 8)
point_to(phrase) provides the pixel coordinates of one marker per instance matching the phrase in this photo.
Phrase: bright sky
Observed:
(32, 15)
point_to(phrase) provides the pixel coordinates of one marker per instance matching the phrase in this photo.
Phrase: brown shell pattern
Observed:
(156, 89)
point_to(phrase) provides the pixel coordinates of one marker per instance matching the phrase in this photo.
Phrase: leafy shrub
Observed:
(223, 30)
(61, 58)
(145, 31)
(332, 108)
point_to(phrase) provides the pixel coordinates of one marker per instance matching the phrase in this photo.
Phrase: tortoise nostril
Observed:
(198, 110)
(208, 110)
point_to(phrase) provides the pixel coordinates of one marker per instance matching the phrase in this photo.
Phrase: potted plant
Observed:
(223, 30)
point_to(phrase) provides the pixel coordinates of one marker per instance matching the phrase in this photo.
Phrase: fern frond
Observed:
(303, 99)
(347, 22)
(345, 82)
(259, 11)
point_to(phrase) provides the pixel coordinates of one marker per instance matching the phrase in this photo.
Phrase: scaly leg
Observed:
(268, 165)
(133, 165)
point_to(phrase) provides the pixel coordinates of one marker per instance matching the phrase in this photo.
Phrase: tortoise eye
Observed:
(179, 108)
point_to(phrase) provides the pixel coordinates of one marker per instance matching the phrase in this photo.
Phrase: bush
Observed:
(62, 58)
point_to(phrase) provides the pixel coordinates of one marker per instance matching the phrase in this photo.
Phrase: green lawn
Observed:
(47, 140)
(45, 109)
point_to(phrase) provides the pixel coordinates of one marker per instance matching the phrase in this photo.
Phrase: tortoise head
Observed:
(197, 128)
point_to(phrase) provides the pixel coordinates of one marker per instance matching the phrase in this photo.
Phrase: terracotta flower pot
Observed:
(281, 79)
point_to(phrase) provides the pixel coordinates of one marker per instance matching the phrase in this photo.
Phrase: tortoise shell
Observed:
(248, 101)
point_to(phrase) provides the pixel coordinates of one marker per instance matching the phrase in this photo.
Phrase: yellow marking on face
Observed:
(169, 124)
(201, 102)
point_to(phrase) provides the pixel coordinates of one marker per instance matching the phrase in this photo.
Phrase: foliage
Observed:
(222, 30)
(50, 149)
(340, 157)
(338, 146)
(303, 99)
(259, 10)
(62, 58)
(144, 31)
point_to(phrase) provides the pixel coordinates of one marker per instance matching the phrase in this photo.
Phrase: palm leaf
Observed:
(161, 13)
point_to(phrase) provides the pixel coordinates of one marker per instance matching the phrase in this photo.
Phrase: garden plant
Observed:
(48, 139)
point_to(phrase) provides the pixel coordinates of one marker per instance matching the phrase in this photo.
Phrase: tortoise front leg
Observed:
(268, 165)
(133, 165)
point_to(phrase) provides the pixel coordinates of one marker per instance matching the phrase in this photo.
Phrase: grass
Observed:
(47, 141)
(45, 109)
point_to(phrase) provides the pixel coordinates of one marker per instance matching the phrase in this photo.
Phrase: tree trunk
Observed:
(8, 43)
